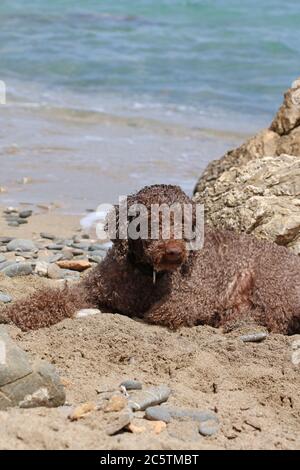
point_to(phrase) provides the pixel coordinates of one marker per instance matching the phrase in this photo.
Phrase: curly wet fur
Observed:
(233, 277)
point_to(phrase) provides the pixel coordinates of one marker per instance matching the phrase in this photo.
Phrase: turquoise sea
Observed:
(145, 71)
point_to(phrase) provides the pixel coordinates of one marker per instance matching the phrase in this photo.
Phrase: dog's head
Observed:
(158, 222)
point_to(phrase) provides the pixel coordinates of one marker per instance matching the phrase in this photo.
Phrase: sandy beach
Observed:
(253, 387)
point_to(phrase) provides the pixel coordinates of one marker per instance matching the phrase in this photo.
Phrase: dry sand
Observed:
(254, 388)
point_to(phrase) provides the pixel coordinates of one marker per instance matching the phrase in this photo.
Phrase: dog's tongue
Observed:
(154, 276)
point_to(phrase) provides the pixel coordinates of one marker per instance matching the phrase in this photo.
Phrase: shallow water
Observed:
(104, 97)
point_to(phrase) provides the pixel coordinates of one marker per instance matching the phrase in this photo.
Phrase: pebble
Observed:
(86, 312)
(22, 221)
(81, 246)
(95, 259)
(208, 428)
(13, 224)
(18, 269)
(55, 258)
(67, 253)
(21, 245)
(5, 298)
(74, 265)
(54, 272)
(5, 239)
(47, 236)
(254, 338)
(25, 214)
(55, 246)
(131, 385)
(41, 268)
(140, 400)
(2, 258)
(120, 421)
(115, 403)
(167, 413)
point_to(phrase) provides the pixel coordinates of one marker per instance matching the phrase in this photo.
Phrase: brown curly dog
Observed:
(233, 277)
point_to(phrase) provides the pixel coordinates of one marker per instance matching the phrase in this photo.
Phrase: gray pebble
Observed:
(14, 223)
(55, 258)
(173, 412)
(119, 421)
(21, 245)
(18, 269)
(47, 236)
(5, 298)
(131, 385)
(254, 338)
(2, 258)
(140, 400)
(5, 240)
(55, 247)
(208, 428)
(95, 259)
(158, 413)
(22, 221)
(81, 246)
(25, 214)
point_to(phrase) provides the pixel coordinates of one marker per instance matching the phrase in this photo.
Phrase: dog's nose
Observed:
(173, 252)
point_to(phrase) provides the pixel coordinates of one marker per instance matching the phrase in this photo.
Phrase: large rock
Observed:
(261, 197)
(24, 385)
(282, 137)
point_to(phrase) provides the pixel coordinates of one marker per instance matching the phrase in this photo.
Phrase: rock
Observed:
(81, 411)
(140, 400)
(10, 210)
(13, 223)
(119, 421)
(158, 413)
(6, 240)
(5, 298)
(282, 137)
(86, 312)
(74, 265)
(41, 268)
(265, 199)
(208, 428)
(14, 363)
(22, 221)
(21, 245)
(259, 197)
(2, 259)
(131, 385)
(55, 258)
(167, 413)
(25, 214)
(22, 384)
(116, 403)
(55, 247)
(254, 338)
(69, 275)
(81, 246)
(47, 236)
(54, 272)
(67, 253)
(18, 269)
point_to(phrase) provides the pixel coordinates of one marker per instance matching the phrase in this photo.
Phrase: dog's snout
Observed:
(174, 251)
